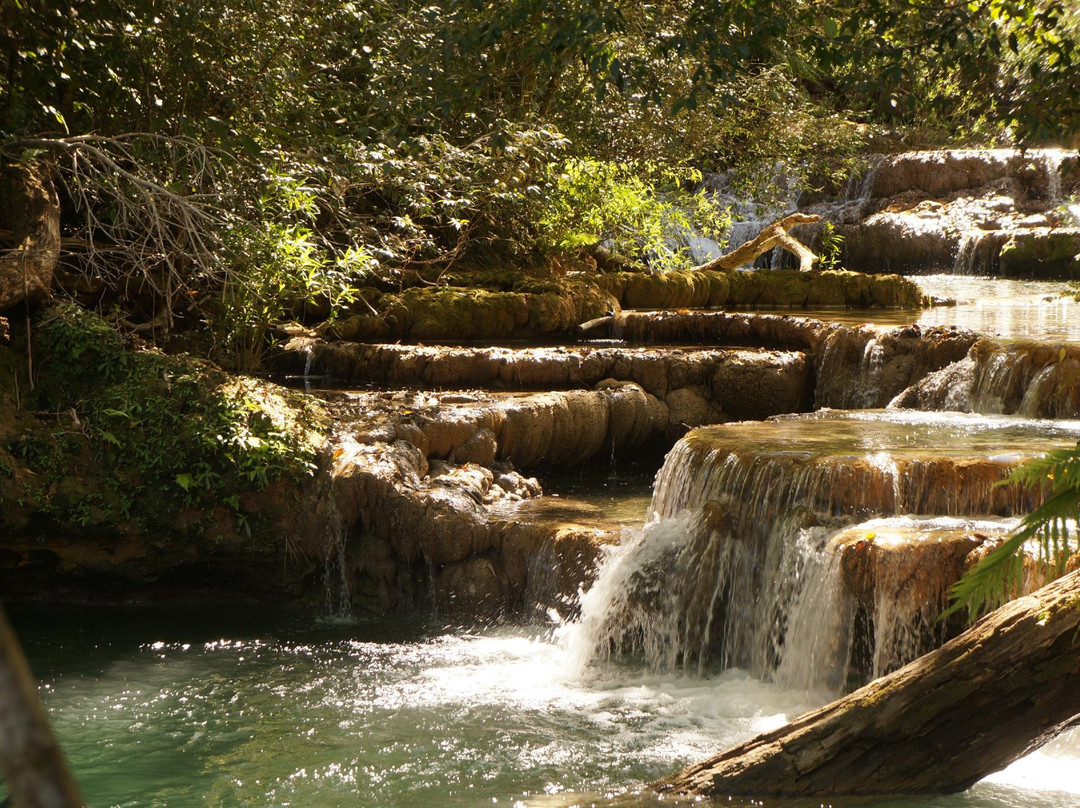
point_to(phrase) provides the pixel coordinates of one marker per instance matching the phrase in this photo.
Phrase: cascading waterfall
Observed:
(740, 564)
(1033, 380)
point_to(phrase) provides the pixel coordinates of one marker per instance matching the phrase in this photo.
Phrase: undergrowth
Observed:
(155, 437)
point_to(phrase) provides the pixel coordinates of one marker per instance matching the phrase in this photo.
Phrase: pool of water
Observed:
(1004, 307)
(241, 706)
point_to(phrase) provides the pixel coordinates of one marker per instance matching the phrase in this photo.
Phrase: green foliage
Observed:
(304, 147)
(832, 246)
(637, 211)
(1053, 526)
(176, 432)
(280, 266)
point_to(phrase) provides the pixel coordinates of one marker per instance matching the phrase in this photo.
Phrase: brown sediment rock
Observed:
(1035, 379)
(981, 211)
(900, 571)
(760, 288)
(708, 386)
(853, 366)
(411, 532)
(29, 210)
(866, 367)
(855, 464)
(555, 428)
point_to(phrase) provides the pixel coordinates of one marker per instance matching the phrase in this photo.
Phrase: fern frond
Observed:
(1053, 526)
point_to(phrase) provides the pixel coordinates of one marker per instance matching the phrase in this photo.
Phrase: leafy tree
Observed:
(429, 134)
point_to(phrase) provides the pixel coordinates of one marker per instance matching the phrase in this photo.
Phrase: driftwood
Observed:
(34, 770)
(776, 233)
(1004, 687)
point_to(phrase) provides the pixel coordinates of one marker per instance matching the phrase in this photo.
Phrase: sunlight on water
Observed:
(154, 714)
(1009, 308)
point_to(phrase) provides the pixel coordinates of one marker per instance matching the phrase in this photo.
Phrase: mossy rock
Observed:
(894, 291)
(829, 288)
(679, 289)
(1042, 254)
(169, 432)
(744, 287)
(784, 288)
(551, 307)
(719, 289)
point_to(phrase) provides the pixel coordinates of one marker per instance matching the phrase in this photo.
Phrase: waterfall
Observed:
(309, 358)
(979, 252)
(758, 554)
(820, 629)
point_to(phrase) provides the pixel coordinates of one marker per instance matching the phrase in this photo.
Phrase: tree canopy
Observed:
(315, 145)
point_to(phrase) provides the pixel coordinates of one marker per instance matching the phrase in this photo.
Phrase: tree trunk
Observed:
(34, 771)
(775, 233)
(1004, 687)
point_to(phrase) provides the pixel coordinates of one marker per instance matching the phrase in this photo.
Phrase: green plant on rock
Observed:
(281, 266)
(1052, 527)
(642, 212)
(173, 431)
(832, 246)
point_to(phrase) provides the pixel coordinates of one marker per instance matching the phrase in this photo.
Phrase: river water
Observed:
(1004, 307)
(238, 706)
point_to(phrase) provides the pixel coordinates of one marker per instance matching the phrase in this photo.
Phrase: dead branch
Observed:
(773, 235)
(164, 229)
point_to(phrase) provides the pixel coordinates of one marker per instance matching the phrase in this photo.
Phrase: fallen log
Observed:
(773, 235)
(1004, 687)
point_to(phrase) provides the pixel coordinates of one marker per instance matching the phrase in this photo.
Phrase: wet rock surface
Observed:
(1032, 379)
(994, 211)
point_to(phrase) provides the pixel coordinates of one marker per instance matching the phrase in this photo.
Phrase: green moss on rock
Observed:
(1042, 254)
(141, 438)
(540, 308)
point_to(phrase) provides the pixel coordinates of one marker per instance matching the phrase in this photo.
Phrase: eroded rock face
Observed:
(413, 531)
(899, 571)
(1033, 379)
(705, 386)
(979, 211)
(867, 367)
(30, 210)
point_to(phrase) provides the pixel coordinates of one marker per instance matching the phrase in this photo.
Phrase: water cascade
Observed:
(1031, 379)
(766, 542)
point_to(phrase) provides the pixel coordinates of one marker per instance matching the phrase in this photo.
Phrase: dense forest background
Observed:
(227, 164)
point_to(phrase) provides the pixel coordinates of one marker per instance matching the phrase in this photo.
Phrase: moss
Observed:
(785, 288)
(745, 287)
(719, 289)
(139, 437)
(833, 288)
(1045, 254)
(541, 307)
